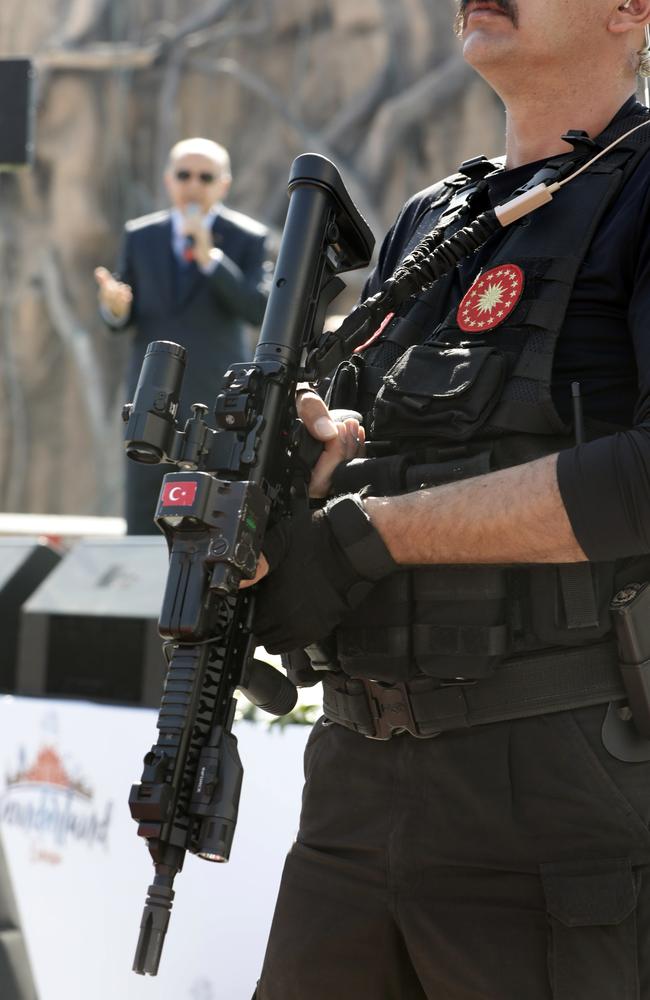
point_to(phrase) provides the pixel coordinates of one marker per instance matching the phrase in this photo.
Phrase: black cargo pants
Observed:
(503, 862)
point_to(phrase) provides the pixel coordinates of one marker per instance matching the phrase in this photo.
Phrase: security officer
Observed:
(475, 816)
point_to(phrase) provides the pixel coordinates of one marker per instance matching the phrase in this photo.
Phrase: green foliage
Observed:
(304, 714)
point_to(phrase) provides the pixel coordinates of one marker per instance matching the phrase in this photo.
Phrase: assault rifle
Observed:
(233, 483)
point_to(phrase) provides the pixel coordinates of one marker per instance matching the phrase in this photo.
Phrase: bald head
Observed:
(198, 173)
(207, 148)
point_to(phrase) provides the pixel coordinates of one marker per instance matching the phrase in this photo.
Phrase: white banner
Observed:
(81, 873)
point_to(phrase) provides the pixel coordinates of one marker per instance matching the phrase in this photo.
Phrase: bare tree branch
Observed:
(424, 100)
(226, 33)
(167, 116)
(310, 139)
(398, 39)
(99, 58)
(81, 17)
(16, 459)
(16, 430)
(123, 55)
(79, 347)
(213, 10)
(344, 128)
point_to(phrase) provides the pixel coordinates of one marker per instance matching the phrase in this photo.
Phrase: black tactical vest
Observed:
(454, 404)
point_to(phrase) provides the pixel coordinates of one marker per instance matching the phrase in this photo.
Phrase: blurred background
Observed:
(376, 85)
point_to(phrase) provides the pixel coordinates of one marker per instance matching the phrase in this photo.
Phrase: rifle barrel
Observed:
(153, 927)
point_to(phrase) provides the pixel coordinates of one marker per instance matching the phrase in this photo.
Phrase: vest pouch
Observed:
(375, 640)
(569, 604)
(343, 390)
(436, 391)
(460, 626)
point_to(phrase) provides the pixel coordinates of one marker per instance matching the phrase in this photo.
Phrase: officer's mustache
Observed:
(507, 7)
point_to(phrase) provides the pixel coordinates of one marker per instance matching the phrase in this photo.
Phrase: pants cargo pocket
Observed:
(591, 910)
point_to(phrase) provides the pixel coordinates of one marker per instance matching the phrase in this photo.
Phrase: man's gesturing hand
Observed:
(114, 295)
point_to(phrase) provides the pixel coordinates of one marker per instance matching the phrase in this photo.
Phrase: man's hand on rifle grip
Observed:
(343, 439)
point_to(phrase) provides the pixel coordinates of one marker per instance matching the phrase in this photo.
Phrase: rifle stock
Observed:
(236, 481)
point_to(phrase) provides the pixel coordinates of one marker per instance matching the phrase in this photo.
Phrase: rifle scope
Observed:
(151, 417)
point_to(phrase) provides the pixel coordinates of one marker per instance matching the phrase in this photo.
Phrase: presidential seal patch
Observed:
(491, 299)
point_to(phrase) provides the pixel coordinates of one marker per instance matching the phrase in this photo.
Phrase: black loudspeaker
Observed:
(91, 630)
(24, 564)
(16, 118)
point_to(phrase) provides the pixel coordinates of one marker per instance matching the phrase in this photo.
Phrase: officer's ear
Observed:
(631, 15)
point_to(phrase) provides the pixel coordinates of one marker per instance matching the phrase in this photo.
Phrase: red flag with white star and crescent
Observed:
(179, 494)
(491, 299)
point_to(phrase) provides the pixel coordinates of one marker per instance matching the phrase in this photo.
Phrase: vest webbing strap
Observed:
(522, 687)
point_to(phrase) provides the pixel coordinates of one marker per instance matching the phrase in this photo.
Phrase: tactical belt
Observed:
(424, 707)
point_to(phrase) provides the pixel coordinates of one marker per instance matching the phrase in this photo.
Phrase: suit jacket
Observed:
(207, 314)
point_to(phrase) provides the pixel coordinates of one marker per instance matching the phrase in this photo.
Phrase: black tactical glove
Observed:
(322, 565)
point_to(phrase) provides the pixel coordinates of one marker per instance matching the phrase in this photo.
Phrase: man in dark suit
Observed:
(195, 275)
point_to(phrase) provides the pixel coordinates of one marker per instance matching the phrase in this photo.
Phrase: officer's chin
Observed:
(486, 50)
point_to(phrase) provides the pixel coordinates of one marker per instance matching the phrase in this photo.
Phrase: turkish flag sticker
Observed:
(179, 494)
(491, 299)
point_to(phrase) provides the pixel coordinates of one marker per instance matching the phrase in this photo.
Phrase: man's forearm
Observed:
(515, 515)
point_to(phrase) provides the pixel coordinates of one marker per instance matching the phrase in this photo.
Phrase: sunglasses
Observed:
(204, 176)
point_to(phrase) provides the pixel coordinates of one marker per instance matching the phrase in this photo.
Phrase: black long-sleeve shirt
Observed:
(604, 345)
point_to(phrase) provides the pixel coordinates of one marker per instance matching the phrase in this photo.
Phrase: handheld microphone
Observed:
(188, 248)
(192, 210)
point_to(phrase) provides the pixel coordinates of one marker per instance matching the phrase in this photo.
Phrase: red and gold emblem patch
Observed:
(491, 299)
